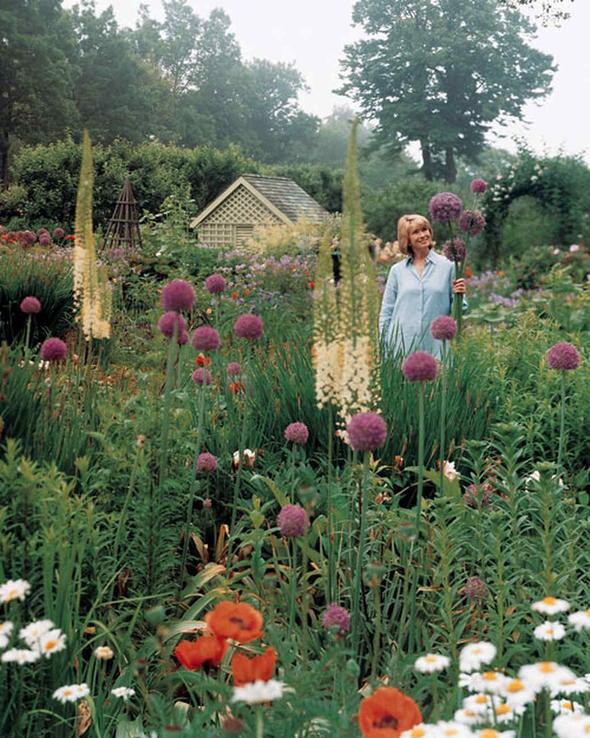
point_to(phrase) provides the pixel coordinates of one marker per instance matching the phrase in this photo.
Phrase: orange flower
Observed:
(202, 360)
(246, 291)
(235, 295)
(236, 387)
(247, 670)
(206, 649)
(235, 620)
(387, 713)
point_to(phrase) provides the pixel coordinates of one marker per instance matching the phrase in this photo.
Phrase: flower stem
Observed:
(443, 412)
(259, 722)
(561, 424)
(420, 457)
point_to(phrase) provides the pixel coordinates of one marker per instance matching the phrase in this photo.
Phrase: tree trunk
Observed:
(4, 147)
(450, 166)
(427, 169)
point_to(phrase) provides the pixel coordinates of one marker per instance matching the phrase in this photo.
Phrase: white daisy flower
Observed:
(20, 656)
(71, 692)
(452, 729)
(473, 655)
(492, 682)
(6, 629)
(258, 691)
(566, 707)
(14, 589)
(479, 703)
(31, 633)
(517, 694)
(504, 713)
(431, 662)
(580, 620)
(51, 642)
(104, 653)
(568, 684)
(493, 733)
(545, 675)
(572, 725)
(123, 692)
(550, 606)
(421, 731)
(549, 631)
(466, 716)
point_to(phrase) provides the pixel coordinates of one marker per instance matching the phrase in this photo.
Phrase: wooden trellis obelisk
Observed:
(123, 229)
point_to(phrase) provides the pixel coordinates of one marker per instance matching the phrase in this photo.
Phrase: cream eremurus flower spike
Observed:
(92, 290)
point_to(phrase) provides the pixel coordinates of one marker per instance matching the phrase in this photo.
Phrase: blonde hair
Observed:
(405, 225)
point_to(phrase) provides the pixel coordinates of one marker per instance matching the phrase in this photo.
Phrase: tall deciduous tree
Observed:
(440, 73)
(35, 80)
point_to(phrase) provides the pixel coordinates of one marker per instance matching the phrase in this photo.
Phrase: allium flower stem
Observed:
(561, 424)
(193, 484)
(165, 427)
(443, 414)
(420, 456)
(357, 593)
(331, 568)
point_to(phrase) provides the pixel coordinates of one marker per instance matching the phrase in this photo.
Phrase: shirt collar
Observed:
(429, 258)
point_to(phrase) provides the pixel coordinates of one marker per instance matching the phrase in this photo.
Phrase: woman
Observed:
(418, 290)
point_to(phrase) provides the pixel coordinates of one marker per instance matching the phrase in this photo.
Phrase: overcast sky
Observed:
(312, 33)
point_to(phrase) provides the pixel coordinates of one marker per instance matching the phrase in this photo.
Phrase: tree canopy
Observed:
(440, 73)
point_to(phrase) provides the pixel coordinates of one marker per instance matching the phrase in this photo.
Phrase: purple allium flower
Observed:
(205, 338)
(445, 206)
(28, 237)
(58, 233)
(215, 283)
(443, 328)
(177, 295)
(292, 521)
(472, 222)
(182, 338)
(30, 305)
(233, 369)
(53, 349)
(248, 326)
(478, 186)
(336, 617)
(44, 239)
(206, 462)
(475, 589)
(297, 433)
(201, 376)
(455, 249)
(420, 367)
(563, 356)
(167, 322)
(366, 431)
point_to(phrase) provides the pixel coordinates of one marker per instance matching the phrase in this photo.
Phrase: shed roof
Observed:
(281, 195)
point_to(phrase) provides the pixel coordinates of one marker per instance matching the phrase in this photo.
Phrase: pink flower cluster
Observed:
(420, 367)
(297, 433)
(366, 431)
(292, 521)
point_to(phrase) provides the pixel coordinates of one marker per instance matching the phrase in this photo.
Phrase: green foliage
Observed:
(44, 274)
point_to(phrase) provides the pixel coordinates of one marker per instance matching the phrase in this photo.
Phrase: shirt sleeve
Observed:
(388, 303)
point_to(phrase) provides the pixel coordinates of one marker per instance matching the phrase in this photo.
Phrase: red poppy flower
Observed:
(202, 360)
(236, 387)
(387, 713)
(235, 620)
(208, 649)
(247, 670)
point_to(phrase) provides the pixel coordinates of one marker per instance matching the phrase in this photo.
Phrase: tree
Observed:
(116, 93)
(35, 78)
(548, 10)
(440, 73)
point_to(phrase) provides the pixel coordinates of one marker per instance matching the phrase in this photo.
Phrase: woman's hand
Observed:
(459, 286)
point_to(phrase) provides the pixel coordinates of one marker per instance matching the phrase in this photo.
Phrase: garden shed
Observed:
(255, 200)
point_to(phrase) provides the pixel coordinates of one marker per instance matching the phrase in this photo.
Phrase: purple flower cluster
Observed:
(443, 328)
(472, 222)
(478, 186)
(53, 349)
(292, 521)
(248, 326)
(168, 321)
(178, 295)
(215, 284)
(297, 433)
(233, 369)
(445, 206)
(475, 589)
(366, 431)
(455, 250)
(30, 305)
(420, 367)
(563, 356)
(202, 376)
(58, 233)
(205, 338)
(336, 617)
(206, 462)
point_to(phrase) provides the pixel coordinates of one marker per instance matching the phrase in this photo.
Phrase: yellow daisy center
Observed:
(48, 645)
(503, 710)
(546, 667)
(515, 686)
(548, 600)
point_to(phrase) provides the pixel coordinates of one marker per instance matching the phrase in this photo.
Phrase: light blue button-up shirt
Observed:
(411, 302)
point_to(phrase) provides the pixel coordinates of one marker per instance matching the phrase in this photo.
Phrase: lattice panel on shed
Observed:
(217, 234)
(242, 207)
